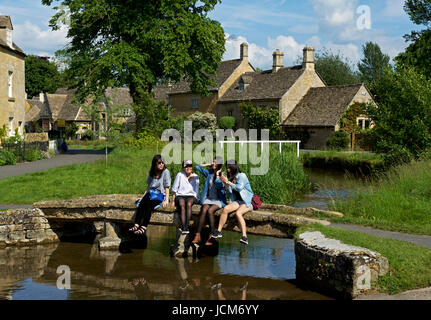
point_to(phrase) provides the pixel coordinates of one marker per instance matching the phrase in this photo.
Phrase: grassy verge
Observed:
(355, 162)
(127, 171)
(400, 201)
(410, 264)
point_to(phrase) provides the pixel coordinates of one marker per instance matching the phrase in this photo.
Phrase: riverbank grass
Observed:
(399, 201)
(354, 162)
(409, 263)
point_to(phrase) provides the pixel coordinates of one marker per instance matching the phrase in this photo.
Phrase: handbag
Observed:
(155, 195)
(256, 202)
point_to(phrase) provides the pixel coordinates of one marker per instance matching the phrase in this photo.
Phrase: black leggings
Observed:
(210, 209)
(145, 209)
(184, 204)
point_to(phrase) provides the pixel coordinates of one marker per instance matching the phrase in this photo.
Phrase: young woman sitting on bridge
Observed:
(213, 196)
(240, 194)
(185, 192)
(156, 195)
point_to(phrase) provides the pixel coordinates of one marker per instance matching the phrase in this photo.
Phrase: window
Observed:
(10, 127)
(230, 113)
(10, 83)
(241, 86)
(195, 103)
(367, 124)
(126, 112)
(361, 123)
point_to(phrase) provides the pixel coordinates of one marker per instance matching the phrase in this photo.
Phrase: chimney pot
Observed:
(277, 58)
(42, 97)
(308, 61)
(244, 51)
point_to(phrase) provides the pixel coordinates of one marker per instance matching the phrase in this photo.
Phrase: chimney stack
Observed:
(308, 61)
(277, 58)
(42, 97)
(244, 51)
(6, 30)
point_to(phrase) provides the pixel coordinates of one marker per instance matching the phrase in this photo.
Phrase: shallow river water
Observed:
(263, 270)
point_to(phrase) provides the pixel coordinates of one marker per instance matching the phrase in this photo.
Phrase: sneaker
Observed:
(243, 240)
(216, 234)
(185, 230)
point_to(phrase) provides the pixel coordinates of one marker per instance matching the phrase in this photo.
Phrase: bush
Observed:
(227, 123)
(263, 117)
(7, 157)
(339, 140)
(33, 155)
(203, 121)
(89, 135)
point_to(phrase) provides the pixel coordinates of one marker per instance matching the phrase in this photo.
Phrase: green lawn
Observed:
(410, 265)
(400, 201)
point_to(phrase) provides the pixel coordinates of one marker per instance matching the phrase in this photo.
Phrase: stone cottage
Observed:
(12, 80)
(45, 111)
(308, 109)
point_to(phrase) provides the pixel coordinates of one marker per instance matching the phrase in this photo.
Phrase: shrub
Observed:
(203, 121)
(33, 155)
(339, 140)
(227, 123)
(89, 135)
(7, 157)
(263, 117)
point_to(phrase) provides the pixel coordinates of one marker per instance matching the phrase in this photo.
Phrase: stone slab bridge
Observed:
(327, 265)
(110, 216)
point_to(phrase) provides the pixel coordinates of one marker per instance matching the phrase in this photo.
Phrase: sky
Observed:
(342, 26)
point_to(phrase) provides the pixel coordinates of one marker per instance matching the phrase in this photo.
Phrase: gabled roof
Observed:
(323, 106)
(265, 85)
(161, 93)
(6, 23)
(34, 113)
(225, 69)
(118, 96)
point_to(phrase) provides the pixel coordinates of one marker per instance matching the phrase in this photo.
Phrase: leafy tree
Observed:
(41, 75)
(372, 65)
(335, 69)
(419, 51)
(137, 43)
(417, 54)
(262, 117)
(403, 117)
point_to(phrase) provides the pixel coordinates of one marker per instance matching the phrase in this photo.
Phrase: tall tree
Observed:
(136, 43)
(41, 75)
(373, 64)
(418, 53)
(335, 69)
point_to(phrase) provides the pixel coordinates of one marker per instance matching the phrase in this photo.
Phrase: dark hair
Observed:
(153, 170)
(234, 169)
(219, 162)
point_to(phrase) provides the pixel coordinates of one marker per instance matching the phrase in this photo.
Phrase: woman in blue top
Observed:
(213, 196)
(240, 194)
(159, 182)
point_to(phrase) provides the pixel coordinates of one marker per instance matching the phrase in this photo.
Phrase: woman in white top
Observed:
(185, 193)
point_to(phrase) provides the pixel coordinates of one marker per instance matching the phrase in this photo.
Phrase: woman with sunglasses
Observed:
(156, 195)
(213, 196)
(185, 192)
(240, 194)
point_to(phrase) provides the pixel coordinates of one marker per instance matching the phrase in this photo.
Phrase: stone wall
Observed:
(335, 268)
(25, 226)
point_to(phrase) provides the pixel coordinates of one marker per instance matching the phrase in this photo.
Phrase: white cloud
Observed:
(32, 39)
(394, 8)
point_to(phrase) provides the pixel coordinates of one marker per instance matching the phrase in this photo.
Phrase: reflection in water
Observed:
(259, 271)
(330, 186)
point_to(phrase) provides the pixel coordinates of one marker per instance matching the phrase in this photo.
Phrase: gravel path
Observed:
(420, 240)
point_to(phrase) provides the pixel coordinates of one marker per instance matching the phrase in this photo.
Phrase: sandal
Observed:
(141, 231)
(134, 228)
